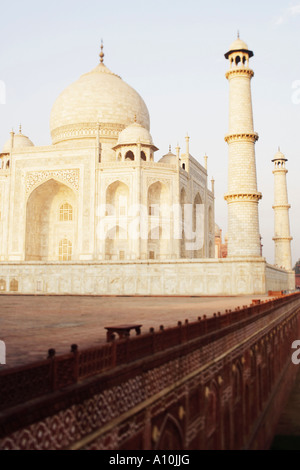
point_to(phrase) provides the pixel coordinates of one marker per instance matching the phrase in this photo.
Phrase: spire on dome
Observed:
(101, 55)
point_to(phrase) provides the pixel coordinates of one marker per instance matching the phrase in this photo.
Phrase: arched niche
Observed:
(159, 219)
(198, 225)
(117, 197)
(183, 202)
(44, 227)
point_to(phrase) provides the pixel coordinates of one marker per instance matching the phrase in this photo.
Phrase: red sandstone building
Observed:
(297, 274)
(220, 247)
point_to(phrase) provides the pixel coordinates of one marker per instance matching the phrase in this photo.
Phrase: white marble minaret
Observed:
(281, 207)
(242, 196)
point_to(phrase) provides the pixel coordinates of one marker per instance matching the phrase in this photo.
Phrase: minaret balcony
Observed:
(245, 136)
(239, 71)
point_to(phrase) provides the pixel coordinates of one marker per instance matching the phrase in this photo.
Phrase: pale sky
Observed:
(172, 53)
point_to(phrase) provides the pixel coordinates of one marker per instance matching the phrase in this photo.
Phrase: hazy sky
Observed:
(172, 53)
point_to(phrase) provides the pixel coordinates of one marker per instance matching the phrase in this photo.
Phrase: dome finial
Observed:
(101, 55)
(238, 34)
(169, 148)
(135, 118)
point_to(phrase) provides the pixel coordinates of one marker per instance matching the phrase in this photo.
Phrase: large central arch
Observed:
(51, 215)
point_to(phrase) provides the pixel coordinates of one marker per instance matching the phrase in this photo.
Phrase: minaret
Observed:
(242, 197)
(281, 207)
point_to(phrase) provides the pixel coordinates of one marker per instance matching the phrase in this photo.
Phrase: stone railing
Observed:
(23, 383)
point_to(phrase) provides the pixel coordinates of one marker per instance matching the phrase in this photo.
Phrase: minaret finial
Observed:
(278, 148)
(238, 34)
(101, 53)
(169, 148)
(135, 118)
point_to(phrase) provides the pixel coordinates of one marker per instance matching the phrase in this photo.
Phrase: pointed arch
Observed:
(212, 413)
(44, 228)
(129, 155)
(183, 202)
(159, 218)
(117, 197)
(237, 398)
(197, 224)
(171, 435)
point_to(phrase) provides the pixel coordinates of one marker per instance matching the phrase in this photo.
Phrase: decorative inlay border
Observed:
(157, 179)
(117, 178)
(35, 178)
(85, 130)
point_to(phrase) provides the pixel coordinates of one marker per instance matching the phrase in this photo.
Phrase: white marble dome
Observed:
(135, 133)
(20, 141)
(98, 97)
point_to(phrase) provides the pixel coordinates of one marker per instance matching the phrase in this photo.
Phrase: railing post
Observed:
(74, 350)
(151, 331)
(113, 353)
(51, 357)
(179, 325)
(204, 324)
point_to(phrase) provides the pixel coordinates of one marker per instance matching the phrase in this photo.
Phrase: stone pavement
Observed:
(30, 325)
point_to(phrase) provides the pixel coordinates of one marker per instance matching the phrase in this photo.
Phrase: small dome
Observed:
(279, 156)
(238, 45)
(135, 133)
(217, 231)
(169, 158)
(20, 141)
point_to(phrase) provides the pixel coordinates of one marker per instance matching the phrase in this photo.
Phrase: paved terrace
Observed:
(30, 325)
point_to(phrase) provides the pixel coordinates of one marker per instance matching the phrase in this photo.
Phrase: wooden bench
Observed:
(275, 293)
(122, 330)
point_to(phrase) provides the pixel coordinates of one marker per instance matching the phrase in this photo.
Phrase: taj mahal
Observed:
(97, 213)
